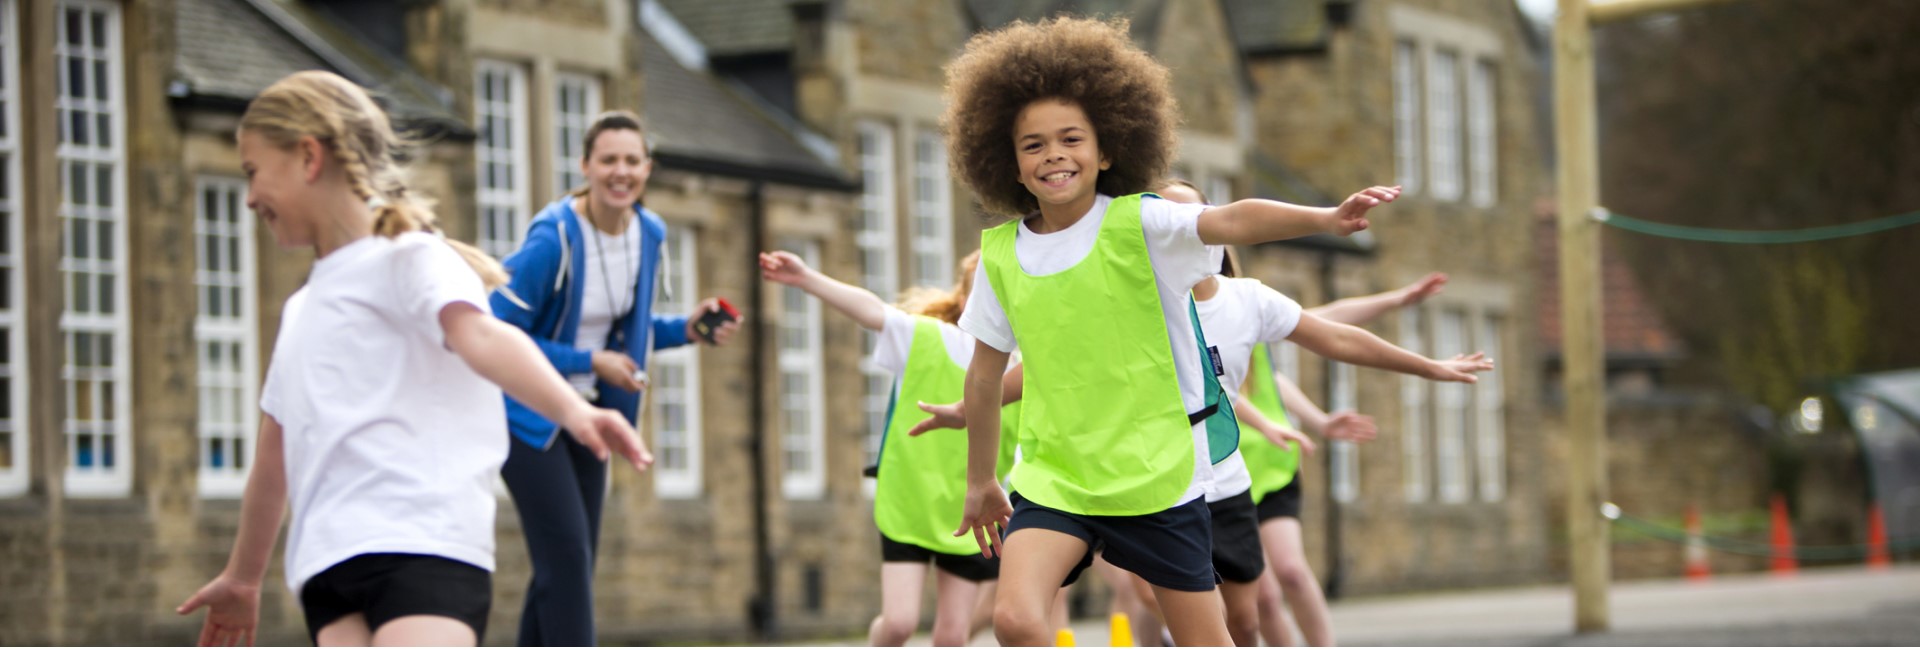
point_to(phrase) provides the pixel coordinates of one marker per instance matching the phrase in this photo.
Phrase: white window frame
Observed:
(15, 475)
(1406, 115)
(680, 287)
(1490, 431)
(108, 415)
(501, 211)
(805, 435)
(1219, 188)
(1413, 414)
(932, 223)
(1444, 127)
(1482, 133)
(227, 396)
(874, 236)
(1346, 455)
(1451, 412)
(570, 126)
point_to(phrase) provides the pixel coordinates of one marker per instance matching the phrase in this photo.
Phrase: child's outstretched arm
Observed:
(1280, 436)
(1359, 310)
(987, 511)
(1255, 221)
(1359, 347)
(954, 416)
(1345, 425)
(232, 599)
(859, 304)
(507, 357)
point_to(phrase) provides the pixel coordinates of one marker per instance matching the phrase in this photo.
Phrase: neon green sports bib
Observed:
(922, 486)
(1104, 430)
(1271, 467)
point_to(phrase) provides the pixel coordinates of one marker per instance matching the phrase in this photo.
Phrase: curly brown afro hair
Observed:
(1089, 62)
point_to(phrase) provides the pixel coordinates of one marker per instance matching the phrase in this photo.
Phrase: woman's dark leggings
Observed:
(559, 493)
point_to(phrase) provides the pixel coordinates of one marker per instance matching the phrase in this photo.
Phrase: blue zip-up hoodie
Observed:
(543, 276)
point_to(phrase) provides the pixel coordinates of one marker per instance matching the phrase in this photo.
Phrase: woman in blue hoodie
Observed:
(582, 287)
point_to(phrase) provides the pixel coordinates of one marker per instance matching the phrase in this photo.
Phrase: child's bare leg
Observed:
(1273, 611)
(953, 613)
(1194, 618)
(1133, 597)
(1061, 615)
(424, 630)
(1036, 561)
(900, 584)
(350, 630)
(1242, 601)
(1288, 556)
(983, 609)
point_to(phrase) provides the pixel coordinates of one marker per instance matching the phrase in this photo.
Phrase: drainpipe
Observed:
(761, 612)
(1336, 558)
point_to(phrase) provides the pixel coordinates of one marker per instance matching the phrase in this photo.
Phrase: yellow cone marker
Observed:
(1063, 638)
(1121, 635)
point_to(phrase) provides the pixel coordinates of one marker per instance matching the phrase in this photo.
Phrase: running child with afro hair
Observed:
(1065, 124)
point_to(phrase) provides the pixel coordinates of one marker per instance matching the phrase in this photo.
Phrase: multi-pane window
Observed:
(1406, 116)
(932, 212)
(675, 378)
(91, 163)
(874, 237)
(1413, 412)
(1451, 414)
(224, 335)
(802, 419)
(1490, 434)
(1481, 138)
(1346, 455)
(576, 99)
(1443, 124)
(13, 403)
(500, 116)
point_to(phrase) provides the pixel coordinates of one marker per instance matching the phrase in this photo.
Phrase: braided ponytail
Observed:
(339, 113)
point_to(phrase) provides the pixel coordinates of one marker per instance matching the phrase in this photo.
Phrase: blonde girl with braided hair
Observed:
(382, 421)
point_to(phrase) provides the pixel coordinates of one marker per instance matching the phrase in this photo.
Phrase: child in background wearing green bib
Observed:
(1066, 122)
(921, 485)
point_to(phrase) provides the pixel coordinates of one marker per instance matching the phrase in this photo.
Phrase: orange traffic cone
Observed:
(1696, 550)
(1877, 538)
(1784, 562)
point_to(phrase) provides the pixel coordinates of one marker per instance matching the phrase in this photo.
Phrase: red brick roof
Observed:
(1634, 328)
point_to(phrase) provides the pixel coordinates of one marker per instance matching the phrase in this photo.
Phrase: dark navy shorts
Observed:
(1172, 548)
(972, 567)
(1237, 553)
(1284, 502)
(386, 586)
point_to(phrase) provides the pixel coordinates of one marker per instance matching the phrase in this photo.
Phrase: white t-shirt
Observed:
(607, 290)
(1244, 313)
(1179, 260)
(391, 441)
(896, 341)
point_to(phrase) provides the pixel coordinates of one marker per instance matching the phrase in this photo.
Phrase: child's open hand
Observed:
(945, 416)
(1351, 216)
(782, 267)
(986, 516)
(1461, 368)
(602, 431)
(1348, 425)
(1286, 438)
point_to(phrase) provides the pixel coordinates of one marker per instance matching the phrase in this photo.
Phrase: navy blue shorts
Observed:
(1237, 553)
(386, 586)
(1284, 502)
(972, 567)
(1172, 548)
